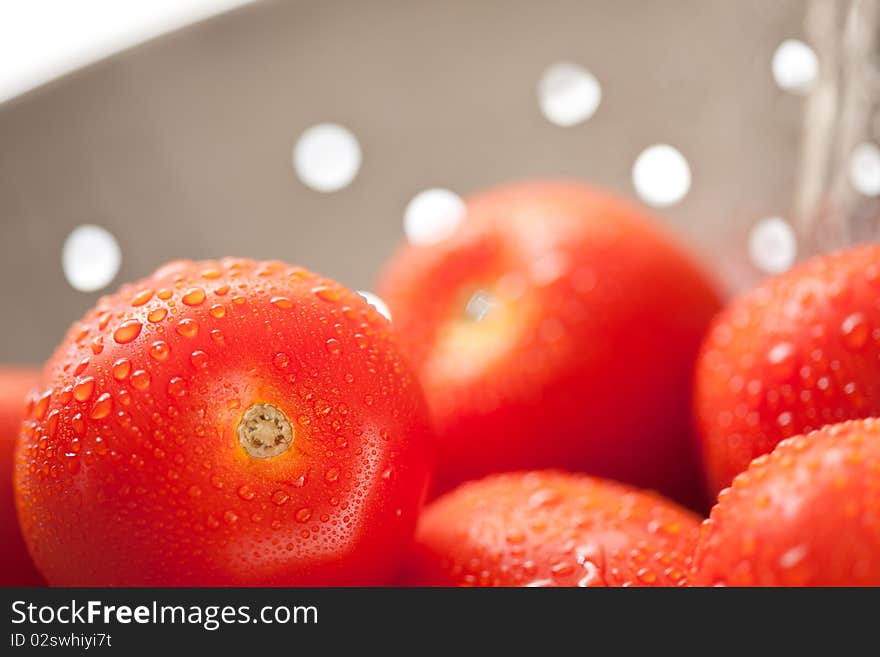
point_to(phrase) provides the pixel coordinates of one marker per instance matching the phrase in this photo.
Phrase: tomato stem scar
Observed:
(264, 431)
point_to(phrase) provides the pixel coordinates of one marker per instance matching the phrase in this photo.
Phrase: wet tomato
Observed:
(552, 529)
(556, 327)
(218, 423)
(16, 567)
(803, 515)
(795, 354)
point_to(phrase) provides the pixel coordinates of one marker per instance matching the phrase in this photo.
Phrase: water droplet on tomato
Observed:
(157, 315)
(333, 347)
(176, 386)
(159, 350)
(246, 493)
(326, 293)
(199, 359)
(142, 297)
(304, 514)
(103, 406)
(140, 379)
(84, 388)
(281, 302)
(127, 331)
(194, 296)
(188, 328)
(218, 310)
(83, 364)
(280, 498)
(854, 331)
(121, 369)
(281, 361)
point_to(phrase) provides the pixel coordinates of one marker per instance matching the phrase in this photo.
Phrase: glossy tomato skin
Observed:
(585, 360)
(130, 469)
(16, 566)
(803, 515)
(549, 528)
(795, 354)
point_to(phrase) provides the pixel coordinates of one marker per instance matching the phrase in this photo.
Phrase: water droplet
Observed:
(84, 389)
(140, 379)
(230, 517)
(854, 331)
(591, 574)
(304, 514)
(42, 405)
(218, 310)
(176, 386)
(103, 406)
(199, 359)
(327, 293)
(127, 331)
(333, 347)
(188, 328)
(562, 569)
(164, 294)
(782, 358)
(211, 273)
(142, 297)
(792, 557)
(194, 296)
(377, 303)
(281, 361)
(281, 302)
(159, 350)
(98, 344)
(157, 315)
(78, 423)
(331, 475)
(217, 336)
(52, 422)
(647, 576)
(80, 368)
(246, 493)
(279, 498)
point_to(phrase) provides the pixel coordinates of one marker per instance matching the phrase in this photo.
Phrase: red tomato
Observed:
(552, 529)
(16, 567)
(557, 327)
(804, 515)
(224, 423)
(797, 353)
